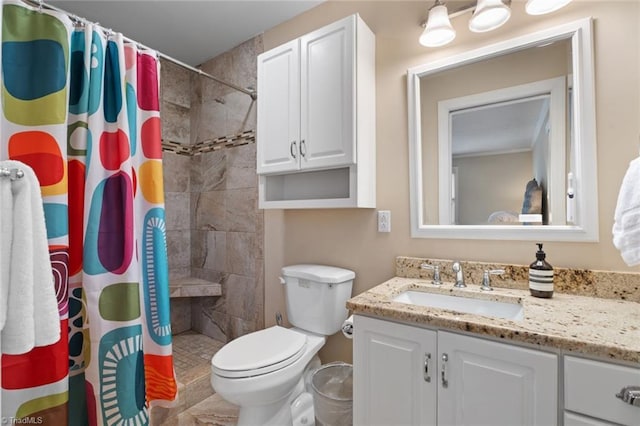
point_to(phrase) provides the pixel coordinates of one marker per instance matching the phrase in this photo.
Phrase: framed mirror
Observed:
(502, 140)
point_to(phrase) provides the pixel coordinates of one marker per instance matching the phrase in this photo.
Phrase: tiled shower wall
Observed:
(214, 227)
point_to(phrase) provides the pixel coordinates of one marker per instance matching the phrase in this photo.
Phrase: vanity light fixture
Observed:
(487, 15)
(437, 30)
(540, 7)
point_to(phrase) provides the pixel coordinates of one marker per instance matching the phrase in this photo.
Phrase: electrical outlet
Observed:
(384, 221)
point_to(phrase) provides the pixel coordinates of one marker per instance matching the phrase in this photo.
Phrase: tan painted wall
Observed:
(348, 238)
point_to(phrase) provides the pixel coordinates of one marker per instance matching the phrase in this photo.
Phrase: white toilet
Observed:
(266, 372)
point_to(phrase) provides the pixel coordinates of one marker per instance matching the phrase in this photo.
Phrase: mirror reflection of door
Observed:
(497, 149)
(509, 146)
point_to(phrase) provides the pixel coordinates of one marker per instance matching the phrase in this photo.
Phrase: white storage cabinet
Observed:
(316, 119)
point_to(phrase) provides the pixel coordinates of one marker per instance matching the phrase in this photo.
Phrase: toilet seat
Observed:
(259, 353)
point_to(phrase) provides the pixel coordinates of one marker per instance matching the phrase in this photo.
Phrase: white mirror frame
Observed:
(585, 227)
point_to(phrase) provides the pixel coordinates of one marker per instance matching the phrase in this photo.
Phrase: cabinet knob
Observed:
(630, 395)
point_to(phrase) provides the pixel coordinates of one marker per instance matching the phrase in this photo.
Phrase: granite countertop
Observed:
(605, 328)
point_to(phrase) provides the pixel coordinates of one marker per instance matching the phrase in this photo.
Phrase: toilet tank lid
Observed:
(319, 273)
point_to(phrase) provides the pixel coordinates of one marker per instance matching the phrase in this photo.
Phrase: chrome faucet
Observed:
(486, 281)
(457, 268)
(436, 273)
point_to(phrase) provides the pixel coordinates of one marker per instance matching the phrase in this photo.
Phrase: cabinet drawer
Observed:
(590, 388)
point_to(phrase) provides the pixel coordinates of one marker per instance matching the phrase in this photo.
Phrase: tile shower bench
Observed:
(193, 287)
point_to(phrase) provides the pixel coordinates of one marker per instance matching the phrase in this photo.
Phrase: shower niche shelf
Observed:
(193, 287)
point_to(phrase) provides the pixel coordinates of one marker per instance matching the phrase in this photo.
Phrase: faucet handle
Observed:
(486, 282)
(436, 273)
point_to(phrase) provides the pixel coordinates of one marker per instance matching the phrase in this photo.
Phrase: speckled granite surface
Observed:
(583, 282)
(605, 328)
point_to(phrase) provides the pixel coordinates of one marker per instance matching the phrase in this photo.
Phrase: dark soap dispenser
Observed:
(541, 276)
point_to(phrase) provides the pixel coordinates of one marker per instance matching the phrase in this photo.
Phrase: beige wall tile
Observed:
(175, 83)
(213, 168)
(241, 167)
(240, 113)
(242, 208)
(175, 171)
(210, 211)
(179, 272)
(241, 253)
(195, 173)
(241, 297)
(179, 249)
(180, 315)
(240, 327)
(176, 123)
(177, 213)
(213, 121)
(210, 323)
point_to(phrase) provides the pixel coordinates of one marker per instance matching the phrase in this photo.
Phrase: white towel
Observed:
(626, 225)
(32, 309)
(6, 237)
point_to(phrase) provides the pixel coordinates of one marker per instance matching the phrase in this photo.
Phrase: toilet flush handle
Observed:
(282, 281)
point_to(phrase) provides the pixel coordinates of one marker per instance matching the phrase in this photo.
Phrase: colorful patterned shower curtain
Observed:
(82, 109)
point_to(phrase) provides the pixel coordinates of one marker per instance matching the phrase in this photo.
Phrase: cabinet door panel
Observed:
(278, 126)
(495, 384)
(390, 387)
(328, 96)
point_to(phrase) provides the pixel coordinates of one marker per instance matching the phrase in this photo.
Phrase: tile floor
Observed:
(197, 404)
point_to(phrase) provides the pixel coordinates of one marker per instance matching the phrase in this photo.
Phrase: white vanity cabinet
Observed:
(316, 119)
(407, 375)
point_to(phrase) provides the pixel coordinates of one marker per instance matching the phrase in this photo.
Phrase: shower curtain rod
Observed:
(76, 18)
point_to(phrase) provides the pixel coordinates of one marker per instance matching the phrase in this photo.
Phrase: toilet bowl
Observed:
(266, 372)
(268, 375)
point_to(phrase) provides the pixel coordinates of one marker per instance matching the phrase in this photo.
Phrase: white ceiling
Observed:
(499, 128)
(190, 31)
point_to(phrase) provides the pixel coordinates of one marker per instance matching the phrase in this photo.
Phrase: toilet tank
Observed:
(316, 296)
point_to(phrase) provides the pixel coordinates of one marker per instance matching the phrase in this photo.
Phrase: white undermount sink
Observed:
(488, 308)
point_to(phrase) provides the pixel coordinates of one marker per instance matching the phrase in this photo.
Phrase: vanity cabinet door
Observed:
(394, 372)
(278, 116)
(487, 383)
